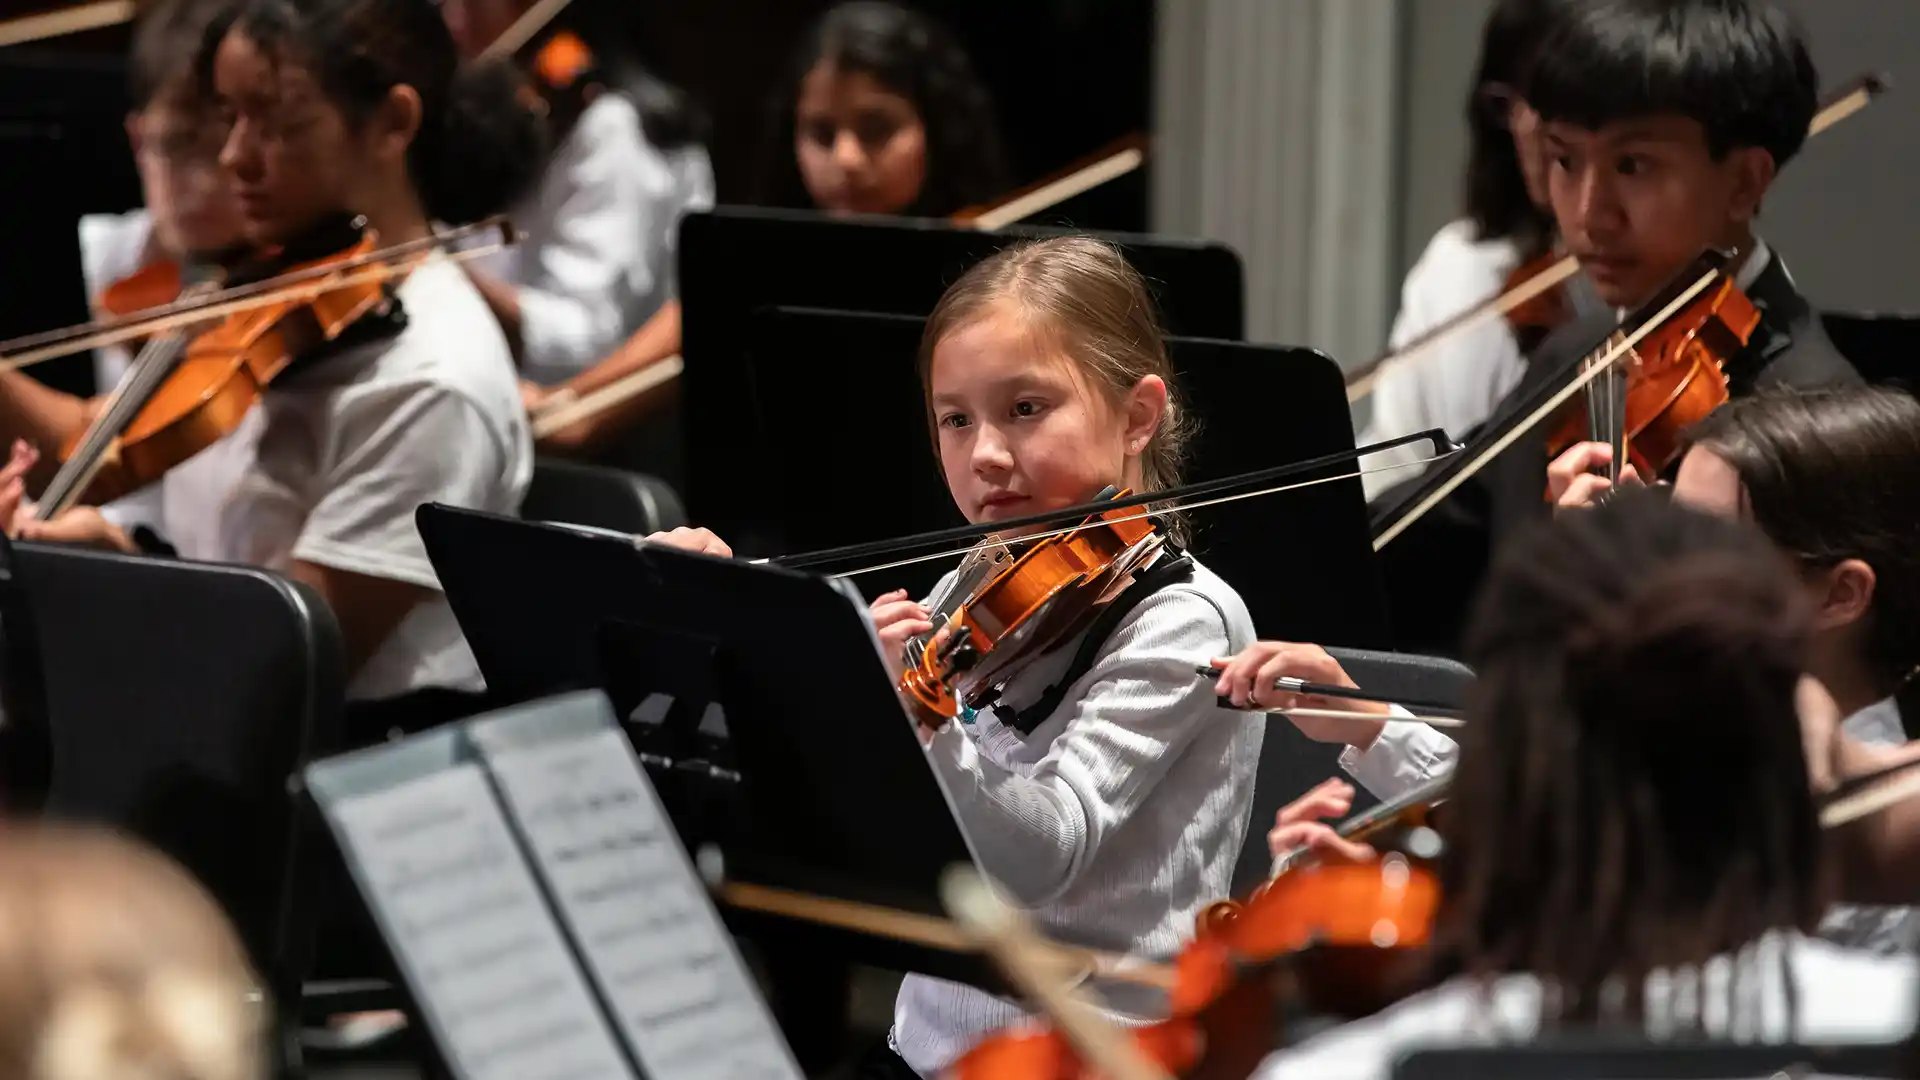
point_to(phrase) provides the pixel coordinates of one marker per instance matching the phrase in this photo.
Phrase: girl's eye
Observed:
(1632, 165)
(953, 420)
(1026, 408)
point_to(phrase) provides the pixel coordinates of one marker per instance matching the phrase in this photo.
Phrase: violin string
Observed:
(1140, 513)
(141, 320)
(283, 293)
(1552, 404)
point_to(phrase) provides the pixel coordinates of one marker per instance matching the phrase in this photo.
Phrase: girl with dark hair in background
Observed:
(1596, 874)
(337, 109)
(596, 257)
(1833, 477)
(1506, 224)
(188, 218)
(881, 113)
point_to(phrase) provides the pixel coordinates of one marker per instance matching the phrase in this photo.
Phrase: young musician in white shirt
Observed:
(596, 260)
(1455, 384)
(353, 107)
(1106, 789)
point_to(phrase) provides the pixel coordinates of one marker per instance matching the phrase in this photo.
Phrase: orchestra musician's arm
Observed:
(358, 546)
(657, 339)
(1387, 756)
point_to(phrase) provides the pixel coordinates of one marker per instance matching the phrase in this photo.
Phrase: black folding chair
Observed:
(182, 697)
(576, 493)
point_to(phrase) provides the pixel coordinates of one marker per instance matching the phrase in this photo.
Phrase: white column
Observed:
(1274, 132)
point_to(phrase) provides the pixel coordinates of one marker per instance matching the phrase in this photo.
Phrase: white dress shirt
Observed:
(1454, 384)
(598, 239)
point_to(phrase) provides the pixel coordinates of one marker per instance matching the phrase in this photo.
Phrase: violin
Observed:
(1341, 939)
(1042, 597)
(1667, 383)
(194, 392)
(1533, 318)
(211, 355)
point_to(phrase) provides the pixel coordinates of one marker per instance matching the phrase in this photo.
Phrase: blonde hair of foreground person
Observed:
(116, 965)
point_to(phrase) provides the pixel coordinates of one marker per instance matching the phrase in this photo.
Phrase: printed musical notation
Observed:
(467, 920)
(651, 938)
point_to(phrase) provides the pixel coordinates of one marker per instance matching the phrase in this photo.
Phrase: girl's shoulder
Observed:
(1456, 250)
(1201, 606)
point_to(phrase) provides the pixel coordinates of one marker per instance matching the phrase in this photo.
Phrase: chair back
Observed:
(182, 698)
(576, 493)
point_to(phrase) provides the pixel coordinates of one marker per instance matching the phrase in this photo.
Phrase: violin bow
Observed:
(1862, 796)
(933, 933)
(1007, 936)
(524, 29)
(385, 263)
(72, 19)
(1186, 497)
(1850, 99)
(1692, 282)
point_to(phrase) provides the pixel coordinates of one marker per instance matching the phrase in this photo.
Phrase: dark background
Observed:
(1067, 78)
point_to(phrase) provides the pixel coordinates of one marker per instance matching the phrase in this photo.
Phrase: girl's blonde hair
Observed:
(115, 965)
(1084, 291)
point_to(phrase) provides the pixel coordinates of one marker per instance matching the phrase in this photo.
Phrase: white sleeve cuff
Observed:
(1406, 754)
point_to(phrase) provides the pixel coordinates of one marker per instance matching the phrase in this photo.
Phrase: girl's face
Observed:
(861, 148)
(293, 157)
(1022, 429)
(177, 151)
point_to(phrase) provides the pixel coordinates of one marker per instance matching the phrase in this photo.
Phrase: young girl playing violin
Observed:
(881, 113)
(359, 107)
(1593, 872)
(1455, 385)
(1112, 799)
(596, 257)
(189, 222)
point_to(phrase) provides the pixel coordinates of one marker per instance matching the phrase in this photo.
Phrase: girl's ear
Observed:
(394, 126)
(1844, 595)
(1146, 407)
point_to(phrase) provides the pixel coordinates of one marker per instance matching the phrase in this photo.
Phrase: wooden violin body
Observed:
(1673, 379)
(1045, 595)
(203, 394)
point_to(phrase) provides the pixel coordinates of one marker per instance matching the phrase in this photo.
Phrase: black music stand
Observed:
(819, 738)
(1301, 560)
(736, 260)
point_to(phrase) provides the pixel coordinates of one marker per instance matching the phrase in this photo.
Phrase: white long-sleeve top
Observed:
(1840, 995)
(1116, 821)
(599, 236)
(1455, 384)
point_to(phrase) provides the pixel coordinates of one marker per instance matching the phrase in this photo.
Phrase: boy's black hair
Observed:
(167, 38)
(1739, 67)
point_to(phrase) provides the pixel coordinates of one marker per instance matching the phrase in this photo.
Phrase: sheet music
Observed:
(644, 922)
(469, 924)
